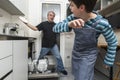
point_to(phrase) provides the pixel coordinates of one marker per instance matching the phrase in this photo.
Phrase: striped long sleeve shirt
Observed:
(102, 27)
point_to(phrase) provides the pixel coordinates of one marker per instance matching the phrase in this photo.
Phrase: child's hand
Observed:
(106, 66)
(78, 23)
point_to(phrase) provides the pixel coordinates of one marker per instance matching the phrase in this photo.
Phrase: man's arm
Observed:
(28, 24)
(31, 26)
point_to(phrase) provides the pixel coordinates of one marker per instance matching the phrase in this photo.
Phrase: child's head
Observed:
(89, 4)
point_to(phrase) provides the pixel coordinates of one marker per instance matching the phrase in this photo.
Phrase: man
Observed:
(49, 40)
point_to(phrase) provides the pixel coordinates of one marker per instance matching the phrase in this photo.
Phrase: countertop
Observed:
(15, 37)
(102, 42)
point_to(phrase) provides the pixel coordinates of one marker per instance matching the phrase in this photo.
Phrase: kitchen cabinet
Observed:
(21, 5)
(6, 59)
(13, 59)
(105, 3)
(109, 7)
(14, 7)
(6, 66)
(20, 52)
(6, 48)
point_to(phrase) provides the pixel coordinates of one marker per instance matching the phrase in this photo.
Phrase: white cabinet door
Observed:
(5, 48)
(5, 66)
(20, 52)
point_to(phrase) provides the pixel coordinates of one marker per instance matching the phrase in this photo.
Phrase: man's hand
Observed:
(78, 23)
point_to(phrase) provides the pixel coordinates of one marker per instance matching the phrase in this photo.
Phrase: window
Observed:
(51, 7)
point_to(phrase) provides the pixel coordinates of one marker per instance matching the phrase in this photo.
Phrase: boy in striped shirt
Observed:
(87, 26)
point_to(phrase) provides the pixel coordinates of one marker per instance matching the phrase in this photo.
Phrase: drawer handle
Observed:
(6, 75)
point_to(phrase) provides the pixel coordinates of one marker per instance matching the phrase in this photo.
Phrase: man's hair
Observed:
(89, 4)
(50, 12)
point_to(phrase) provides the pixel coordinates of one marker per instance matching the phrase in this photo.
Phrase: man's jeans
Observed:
(55, 52)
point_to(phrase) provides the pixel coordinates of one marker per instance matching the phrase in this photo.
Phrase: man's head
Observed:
(50, 16)
(89, 4)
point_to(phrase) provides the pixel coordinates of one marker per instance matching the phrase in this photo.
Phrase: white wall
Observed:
(34, 17)
(4, 18)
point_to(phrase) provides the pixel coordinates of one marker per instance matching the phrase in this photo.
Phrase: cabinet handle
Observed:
(2, 78)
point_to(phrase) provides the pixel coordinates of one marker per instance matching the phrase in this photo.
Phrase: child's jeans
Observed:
(84, 54)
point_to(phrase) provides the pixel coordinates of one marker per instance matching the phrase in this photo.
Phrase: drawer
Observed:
(5, 66)
(9, 77)
(5, 49)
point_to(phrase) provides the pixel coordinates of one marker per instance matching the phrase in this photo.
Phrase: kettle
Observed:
(10, 28)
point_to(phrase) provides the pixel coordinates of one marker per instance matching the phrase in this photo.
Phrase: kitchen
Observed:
(35, 11)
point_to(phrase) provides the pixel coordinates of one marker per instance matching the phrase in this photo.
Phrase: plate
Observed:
(23, 19)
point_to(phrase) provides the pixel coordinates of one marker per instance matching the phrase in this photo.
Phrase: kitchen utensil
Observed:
(23, 19)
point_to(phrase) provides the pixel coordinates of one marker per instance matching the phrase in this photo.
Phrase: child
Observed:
(87, 25)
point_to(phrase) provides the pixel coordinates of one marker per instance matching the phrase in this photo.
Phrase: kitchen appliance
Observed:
(10, 28)
(43, 65)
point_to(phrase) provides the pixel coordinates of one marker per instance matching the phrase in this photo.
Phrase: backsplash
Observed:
(5, 17)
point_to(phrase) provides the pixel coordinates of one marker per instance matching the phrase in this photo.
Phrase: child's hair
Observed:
(89, 4)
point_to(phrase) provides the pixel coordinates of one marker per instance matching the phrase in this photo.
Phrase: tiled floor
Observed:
(68, 77)
(61, 77)
(98, 76)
